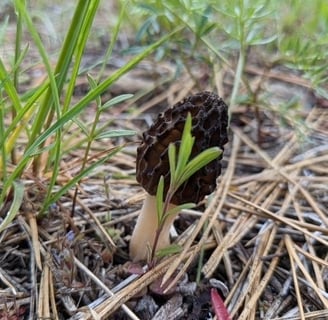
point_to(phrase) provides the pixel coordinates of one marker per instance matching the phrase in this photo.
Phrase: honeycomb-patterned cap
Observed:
(209, 127)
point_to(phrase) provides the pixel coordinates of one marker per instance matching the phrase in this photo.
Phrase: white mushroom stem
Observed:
(143, 235)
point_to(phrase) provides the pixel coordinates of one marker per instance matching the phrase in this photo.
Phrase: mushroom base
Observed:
(143, 235)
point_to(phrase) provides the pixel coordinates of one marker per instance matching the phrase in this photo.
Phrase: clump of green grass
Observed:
(42, 114)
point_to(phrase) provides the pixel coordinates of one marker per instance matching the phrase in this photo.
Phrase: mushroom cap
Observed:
(209, 127)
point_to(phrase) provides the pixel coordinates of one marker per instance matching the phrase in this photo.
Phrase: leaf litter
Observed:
(262, 234)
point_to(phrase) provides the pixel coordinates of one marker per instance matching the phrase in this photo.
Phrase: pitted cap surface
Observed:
(209, 127)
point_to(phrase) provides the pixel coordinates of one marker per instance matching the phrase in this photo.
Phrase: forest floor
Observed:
(261, 239)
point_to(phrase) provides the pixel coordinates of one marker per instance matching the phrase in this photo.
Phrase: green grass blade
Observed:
(3, 28)
(3, 154)
(18, 44)
(72, 38)
(78, 178)
(76, 43)
(23, 116)
(114, 38)
(9, 87)
(76, 109)
(115, 134)
(119, 73)
(44, 108)
(18, 189)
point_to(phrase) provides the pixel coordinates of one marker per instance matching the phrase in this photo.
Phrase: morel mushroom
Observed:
(209, 127)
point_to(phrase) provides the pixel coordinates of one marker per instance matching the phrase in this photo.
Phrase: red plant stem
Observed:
(220, 309)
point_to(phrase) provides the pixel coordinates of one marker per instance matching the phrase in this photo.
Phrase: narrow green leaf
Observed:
(31, 103)
(82, 126)
(113, 37)
(159, 200)
(3, 28)
(199, 162)
(93, 85)
(177, 209)
(17, 201)
(9, 87)
(171, 249)
(43, 149)
(263, 41)
(3, 153)
(115, 134)
(46, 108)
(116, 100)
(78, 178)
(185, 148)
(172, 161)
(74, 44)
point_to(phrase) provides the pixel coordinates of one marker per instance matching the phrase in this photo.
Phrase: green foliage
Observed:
(18, 191)
(303, 40)
(43, 114)
(294, 32)
(181, 169)
(169, 250)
